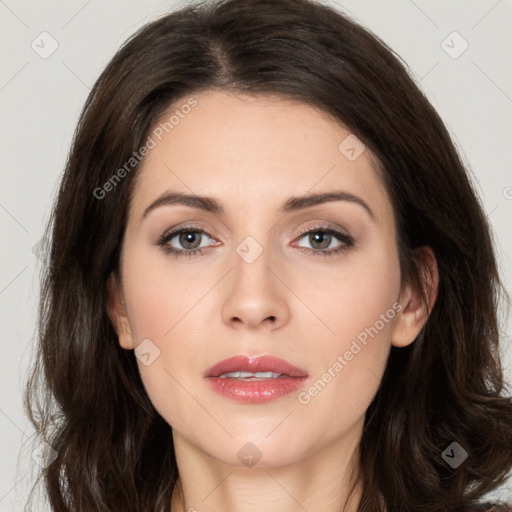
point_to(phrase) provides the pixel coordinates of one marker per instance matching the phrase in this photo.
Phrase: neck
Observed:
(319, 482)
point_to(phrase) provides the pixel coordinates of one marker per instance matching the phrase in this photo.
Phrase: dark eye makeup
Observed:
(318, 234)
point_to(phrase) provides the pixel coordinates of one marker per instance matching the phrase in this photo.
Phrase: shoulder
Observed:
(489, 507)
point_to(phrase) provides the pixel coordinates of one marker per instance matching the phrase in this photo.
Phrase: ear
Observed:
(415, 311)
(116, 311)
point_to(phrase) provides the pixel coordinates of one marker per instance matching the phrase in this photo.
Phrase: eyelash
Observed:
(347, 240)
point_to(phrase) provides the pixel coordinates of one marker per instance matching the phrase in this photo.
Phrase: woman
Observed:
(254, 369)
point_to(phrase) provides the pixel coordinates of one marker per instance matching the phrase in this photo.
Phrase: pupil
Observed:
(321, 236)
(185, 238)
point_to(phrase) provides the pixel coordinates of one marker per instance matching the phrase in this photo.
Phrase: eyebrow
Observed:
(293, 204)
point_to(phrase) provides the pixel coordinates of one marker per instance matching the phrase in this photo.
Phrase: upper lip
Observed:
(265, 363)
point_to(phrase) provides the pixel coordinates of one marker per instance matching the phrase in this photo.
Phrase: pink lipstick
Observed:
(254, 379)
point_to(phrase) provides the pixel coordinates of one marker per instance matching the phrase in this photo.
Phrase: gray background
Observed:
(40, 99)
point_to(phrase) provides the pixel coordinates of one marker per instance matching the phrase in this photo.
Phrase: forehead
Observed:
(254, 151)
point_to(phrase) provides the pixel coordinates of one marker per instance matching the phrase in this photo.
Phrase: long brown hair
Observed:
(85, 395)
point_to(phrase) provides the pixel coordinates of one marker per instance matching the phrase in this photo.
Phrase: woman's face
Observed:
(268, 281)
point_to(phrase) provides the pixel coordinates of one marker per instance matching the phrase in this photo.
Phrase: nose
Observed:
(255, 294)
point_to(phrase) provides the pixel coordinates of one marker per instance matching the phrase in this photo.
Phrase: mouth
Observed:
(254, 379)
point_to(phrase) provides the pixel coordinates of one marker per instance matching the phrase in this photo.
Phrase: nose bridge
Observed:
(253, 258)
(256, 259)
(254, 293)
(255, 246)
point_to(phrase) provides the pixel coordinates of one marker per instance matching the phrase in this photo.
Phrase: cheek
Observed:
(351, 359)
(164, 306)
(157, 299)
(360, 297)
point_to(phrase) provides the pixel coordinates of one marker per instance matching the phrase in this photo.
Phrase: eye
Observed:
(189, 237)
(321, 239)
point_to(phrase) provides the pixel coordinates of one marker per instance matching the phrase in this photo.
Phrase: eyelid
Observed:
(177, 229)
(325, 225)
(316, 225)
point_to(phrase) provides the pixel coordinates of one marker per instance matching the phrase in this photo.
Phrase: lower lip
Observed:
(255, 392)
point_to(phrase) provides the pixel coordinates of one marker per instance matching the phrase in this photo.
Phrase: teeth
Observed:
(258, 375)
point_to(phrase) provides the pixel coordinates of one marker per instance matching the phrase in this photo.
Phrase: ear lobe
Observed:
(117, 313)
(416, 308)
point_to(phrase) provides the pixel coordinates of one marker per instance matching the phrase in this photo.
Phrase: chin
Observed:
(254, 451)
